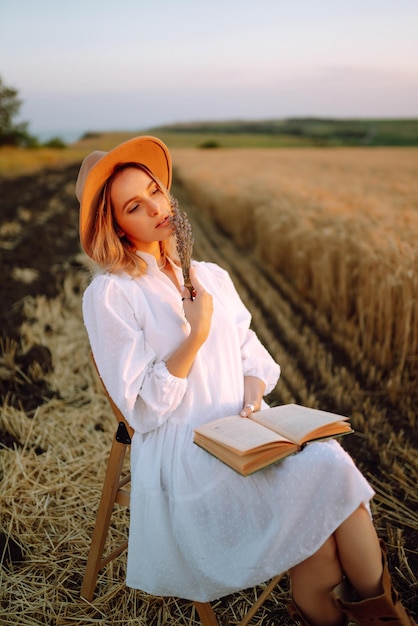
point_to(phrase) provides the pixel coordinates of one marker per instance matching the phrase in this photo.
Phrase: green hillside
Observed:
(293, 132)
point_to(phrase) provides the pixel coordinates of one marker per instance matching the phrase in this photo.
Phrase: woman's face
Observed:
(141, 210)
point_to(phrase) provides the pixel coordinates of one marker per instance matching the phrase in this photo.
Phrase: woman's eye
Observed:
(133, 208)
(155, 190)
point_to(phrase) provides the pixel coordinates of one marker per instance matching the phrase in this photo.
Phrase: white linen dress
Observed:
(199, 530)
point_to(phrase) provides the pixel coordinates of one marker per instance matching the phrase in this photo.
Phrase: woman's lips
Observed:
(164, 222)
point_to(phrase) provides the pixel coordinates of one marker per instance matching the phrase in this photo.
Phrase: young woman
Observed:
(171, 362)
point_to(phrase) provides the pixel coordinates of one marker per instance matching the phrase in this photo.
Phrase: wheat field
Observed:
(340, 226)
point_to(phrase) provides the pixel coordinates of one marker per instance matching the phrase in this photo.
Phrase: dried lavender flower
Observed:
(184, 241)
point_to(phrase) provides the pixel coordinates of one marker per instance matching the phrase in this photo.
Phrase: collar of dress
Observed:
(151, 261)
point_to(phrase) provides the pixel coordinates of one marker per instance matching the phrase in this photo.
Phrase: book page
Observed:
(239, 433)
(294, 421)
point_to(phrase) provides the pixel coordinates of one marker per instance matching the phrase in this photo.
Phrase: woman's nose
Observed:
(152, 207)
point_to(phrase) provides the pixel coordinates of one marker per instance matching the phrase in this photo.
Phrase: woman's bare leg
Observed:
(313, 580)
(352, 551)
(360, 554)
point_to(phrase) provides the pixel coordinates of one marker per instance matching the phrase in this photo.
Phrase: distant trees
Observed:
(12, 133)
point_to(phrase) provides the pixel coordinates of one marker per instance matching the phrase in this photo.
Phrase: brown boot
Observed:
(300, 620)
(383, 609)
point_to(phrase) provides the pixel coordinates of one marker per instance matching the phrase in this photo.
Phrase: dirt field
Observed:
(41, 265)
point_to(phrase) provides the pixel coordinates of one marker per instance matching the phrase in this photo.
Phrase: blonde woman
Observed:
(171, 362)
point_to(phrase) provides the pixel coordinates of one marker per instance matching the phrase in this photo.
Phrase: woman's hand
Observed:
(198, 313)
(253, 394)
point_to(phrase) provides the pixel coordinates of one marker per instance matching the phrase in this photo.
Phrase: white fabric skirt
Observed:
(199, 530)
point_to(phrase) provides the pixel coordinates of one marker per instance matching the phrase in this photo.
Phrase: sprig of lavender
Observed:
(184, 242)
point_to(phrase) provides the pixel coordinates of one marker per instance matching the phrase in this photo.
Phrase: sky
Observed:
(83, 65)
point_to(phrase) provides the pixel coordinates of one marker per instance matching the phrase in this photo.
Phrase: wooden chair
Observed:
(114, 491)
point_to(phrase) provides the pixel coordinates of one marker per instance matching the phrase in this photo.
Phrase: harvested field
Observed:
(56, 427)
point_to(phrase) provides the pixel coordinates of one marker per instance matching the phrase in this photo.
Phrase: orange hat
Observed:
(98, 166)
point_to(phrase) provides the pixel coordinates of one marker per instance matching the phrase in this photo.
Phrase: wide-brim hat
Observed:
(98, 166)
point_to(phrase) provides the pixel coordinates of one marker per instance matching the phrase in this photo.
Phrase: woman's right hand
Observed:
(198, 311)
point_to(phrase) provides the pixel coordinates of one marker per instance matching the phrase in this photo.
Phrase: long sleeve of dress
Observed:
(133, 372)
(256, 360)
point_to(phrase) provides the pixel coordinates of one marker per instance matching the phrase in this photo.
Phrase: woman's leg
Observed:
(360, 554)
(353, 551)
(312, 582)
(370, 597)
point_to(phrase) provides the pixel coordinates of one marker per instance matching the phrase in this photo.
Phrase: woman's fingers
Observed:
(185, 294)
(249, 408)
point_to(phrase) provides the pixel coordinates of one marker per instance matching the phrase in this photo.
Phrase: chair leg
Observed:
(206, 614)
(104, 513)
(263, 597)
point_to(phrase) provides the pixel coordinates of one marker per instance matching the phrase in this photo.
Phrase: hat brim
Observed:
(145, 150)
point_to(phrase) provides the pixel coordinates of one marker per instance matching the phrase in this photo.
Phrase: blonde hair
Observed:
(116, 254)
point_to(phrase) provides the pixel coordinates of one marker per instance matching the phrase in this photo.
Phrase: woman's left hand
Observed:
(253, 394)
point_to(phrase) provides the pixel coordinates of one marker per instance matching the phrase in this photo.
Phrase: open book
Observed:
(250, 444)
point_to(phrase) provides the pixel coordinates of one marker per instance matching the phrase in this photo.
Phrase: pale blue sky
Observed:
(131, 64)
